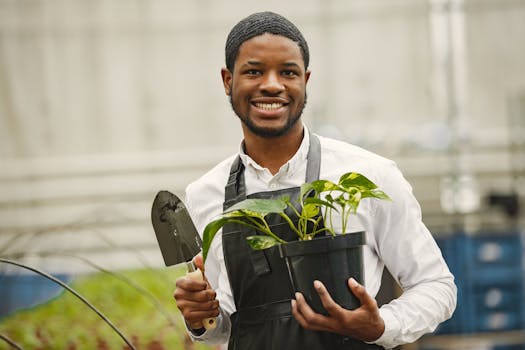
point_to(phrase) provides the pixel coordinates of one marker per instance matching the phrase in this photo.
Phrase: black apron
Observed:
(259, 278)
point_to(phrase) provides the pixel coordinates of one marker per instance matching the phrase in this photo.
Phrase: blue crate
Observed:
(498, 297)
(509, 347)
(489, 274)
(450, 245)
(22, 291)
(494, 274)
(491, 250)
(497, 321)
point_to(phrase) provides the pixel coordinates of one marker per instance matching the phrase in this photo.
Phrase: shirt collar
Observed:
(296, 162)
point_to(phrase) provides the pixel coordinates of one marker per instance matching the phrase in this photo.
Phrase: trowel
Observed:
(177, 236)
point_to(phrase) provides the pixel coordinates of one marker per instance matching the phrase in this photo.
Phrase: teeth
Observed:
(269, 106)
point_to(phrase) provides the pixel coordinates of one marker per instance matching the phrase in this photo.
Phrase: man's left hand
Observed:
(363, 323)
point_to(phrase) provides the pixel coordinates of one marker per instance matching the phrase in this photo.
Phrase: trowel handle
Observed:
(208, 323)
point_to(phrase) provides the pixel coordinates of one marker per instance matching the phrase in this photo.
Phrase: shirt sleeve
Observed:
(412, 256)
(218, 335)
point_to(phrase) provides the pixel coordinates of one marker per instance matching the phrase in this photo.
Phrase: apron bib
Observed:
(259, 278)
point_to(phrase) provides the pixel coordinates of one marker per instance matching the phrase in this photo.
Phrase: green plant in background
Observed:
(66, 323)
(342, 197)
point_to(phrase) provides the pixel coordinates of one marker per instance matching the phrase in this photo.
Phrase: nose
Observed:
(272, 83)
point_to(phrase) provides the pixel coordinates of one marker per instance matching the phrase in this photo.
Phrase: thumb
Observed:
(199, 262)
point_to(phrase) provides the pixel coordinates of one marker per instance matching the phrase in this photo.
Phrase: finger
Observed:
(297, 305)
(361, 294)
(297, 314)
(197, 311)
(196, 318)
(195, 325)
(326, 299)
(195, 315)
(190, 285)
(209, 305)
(310, 319)
(199, 295)
(199, 262)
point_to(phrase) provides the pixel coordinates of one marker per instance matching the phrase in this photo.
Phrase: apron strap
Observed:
(313, 159)
(235, 190)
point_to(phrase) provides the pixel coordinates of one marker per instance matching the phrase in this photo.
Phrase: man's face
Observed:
(267, 87)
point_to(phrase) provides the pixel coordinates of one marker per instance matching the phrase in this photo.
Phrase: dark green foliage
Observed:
(66, 323)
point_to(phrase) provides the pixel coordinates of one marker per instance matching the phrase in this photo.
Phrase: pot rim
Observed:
(323, 244)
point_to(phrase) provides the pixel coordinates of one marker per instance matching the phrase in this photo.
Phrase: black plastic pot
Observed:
(329, 259)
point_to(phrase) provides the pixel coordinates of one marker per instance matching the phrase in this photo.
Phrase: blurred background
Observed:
(103, 103)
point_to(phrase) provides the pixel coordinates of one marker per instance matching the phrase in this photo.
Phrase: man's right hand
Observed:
(195, 299)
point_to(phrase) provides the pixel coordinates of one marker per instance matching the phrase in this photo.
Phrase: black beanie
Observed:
(258, 24)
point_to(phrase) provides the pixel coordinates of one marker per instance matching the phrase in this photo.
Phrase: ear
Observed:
(226, 80)
(307, 76)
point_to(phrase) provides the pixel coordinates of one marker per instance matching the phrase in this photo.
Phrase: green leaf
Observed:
(305, 188)
(381, 195)
(245, 213)
(209, 232)
(342, 201)
(356, 180)
(239, 214)
(310, 210)
(321, 202)
(249, 208)
(376, 194)
(261, 242)
(259, 205)
(324, 186)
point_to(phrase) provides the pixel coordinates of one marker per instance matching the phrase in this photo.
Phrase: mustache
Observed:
(302, 107)
(271, 133)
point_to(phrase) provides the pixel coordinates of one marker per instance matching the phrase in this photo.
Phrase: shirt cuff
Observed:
(392, 328)
(203, 334)
(218, 335)
(196, 332)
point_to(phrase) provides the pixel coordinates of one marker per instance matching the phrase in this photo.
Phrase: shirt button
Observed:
(273, 186)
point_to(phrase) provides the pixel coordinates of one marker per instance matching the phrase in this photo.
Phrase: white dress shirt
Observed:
(395, 237)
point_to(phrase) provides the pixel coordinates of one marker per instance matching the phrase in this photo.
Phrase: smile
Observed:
(268, 106)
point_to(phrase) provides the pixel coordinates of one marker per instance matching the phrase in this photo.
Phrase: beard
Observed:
(270, 132)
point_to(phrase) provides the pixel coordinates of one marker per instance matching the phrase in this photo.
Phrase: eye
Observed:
(252, 72)
(289, 73)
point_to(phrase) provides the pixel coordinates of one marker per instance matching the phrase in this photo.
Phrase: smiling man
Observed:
(267, 88)
(249, 291)
(269, 93)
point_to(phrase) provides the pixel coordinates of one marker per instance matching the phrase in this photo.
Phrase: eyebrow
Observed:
(259, 63)
(253, 63)
(291, 64)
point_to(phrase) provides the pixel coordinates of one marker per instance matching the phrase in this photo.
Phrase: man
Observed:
(265, 78)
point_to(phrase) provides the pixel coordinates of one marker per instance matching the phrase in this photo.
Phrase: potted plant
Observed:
(332, 257)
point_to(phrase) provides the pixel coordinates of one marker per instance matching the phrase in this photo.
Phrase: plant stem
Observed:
(344, 215)
(260, 223)
(294, 209)
(292, 226)
(258, 227)
(331, 217)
